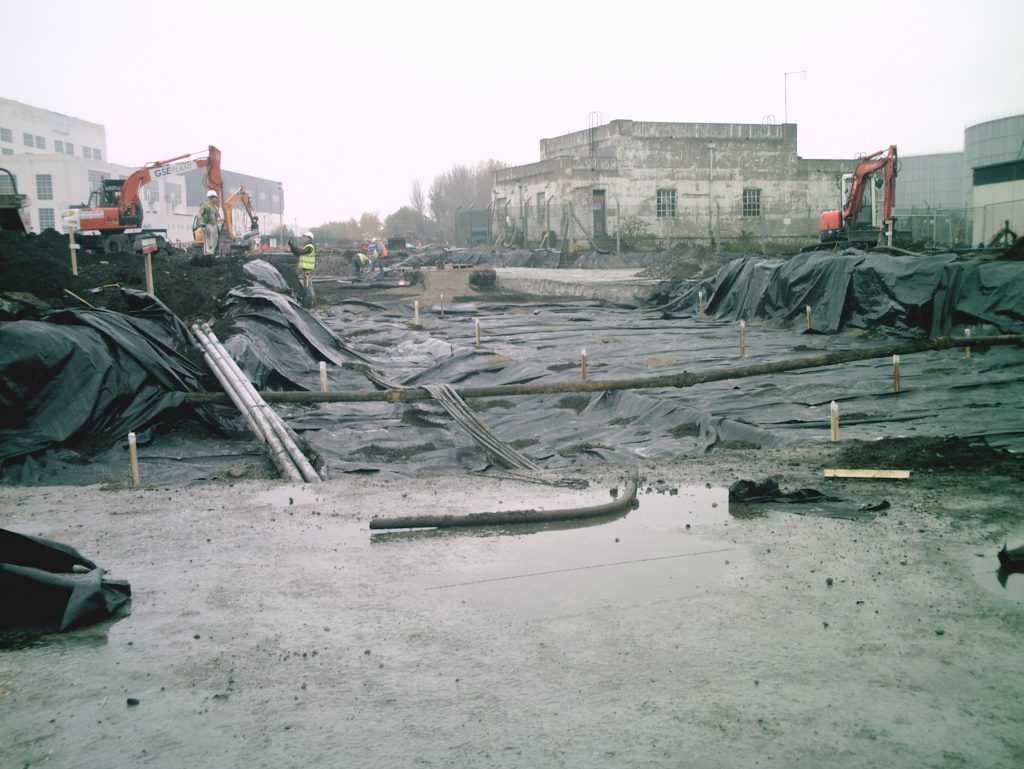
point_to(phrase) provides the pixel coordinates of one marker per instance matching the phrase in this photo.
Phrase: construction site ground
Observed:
(270, 627)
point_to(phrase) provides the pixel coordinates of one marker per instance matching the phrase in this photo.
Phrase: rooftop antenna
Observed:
(785, 90)
(595, 121)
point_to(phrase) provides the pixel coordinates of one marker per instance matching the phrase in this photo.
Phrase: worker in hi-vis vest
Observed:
(307, 263)
(209, 218)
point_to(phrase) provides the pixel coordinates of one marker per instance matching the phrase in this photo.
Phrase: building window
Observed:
(69, 148)
(6, 135)
(665, 203)
(751, 202)
(58, 146)
(172, 193)
(152, 193)
(6, 151)
(40, 143)
(97, 155)
(60, 123)
(540, 206)
(44, 187)
(29, 139)
(96, 178)
(46, 219)
(7, 185)
(87, 152)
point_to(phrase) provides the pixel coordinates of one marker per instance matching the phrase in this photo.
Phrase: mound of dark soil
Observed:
(41, 265)
(932, 455)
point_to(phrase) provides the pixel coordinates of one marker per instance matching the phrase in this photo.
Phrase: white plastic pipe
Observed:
(244, 402)
(286, 436)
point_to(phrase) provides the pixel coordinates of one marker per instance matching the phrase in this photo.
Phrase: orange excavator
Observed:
(114, 208)
(844, 227)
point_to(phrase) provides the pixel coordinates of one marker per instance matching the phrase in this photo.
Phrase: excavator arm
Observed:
(128, 205)
(836, 226)
(884, 159)
(241, 196)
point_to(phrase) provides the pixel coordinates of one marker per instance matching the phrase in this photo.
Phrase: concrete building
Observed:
(668, 182)
(671, 182)
(58, 161)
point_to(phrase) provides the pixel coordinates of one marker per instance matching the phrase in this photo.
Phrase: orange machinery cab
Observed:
(830, 227)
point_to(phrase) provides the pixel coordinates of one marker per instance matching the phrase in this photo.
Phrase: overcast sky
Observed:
(346, 105)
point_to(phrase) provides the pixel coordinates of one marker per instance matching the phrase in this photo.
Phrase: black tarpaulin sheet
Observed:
(902, 295)
(801, 501)
(48, 585)
(95, 373)
(279, 344)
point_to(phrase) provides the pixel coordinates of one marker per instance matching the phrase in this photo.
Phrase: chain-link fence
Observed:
(586, 224)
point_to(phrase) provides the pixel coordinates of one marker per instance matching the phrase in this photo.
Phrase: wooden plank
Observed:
(835, 473)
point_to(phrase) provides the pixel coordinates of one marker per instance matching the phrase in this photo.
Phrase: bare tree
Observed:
(417, 199)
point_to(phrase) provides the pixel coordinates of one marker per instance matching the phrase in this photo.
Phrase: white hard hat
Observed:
(308, 235)
(211, 194)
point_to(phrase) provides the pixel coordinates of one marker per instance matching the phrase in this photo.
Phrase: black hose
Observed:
(623, 502)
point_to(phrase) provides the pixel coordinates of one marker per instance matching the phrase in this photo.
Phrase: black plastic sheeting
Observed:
(807, 501)
(95, 374)
(861, 300)
(50, 586)
(905, 295)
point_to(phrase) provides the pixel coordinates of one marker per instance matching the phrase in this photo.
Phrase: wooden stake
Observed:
(810, 323)
(149, 275)
(476, 322)
(834, 414)
(895, 373)
(700, 303)
(133, 456)
(80, 299)
(838, 473)
(73, 247)
(967, 349)
(583, 364)
(743, 339)
(416, 312)
(442, 305)
(323, 376)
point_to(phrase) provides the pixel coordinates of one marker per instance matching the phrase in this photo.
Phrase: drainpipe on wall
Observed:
(711, 197)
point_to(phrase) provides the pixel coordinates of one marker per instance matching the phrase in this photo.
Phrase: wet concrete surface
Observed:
(270, 628)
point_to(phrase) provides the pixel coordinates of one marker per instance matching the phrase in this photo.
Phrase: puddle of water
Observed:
(651, 554)
(286, 496)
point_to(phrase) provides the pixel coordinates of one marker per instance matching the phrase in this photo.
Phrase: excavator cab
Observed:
(13, 207)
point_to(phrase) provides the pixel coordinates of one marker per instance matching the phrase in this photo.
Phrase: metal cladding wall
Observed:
(994, 143)
(930, 182)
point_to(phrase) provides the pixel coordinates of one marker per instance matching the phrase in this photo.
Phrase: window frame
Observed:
(666, 203)
(42, 182)
(750, 203)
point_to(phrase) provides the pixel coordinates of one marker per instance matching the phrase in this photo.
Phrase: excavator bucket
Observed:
(13, 207)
